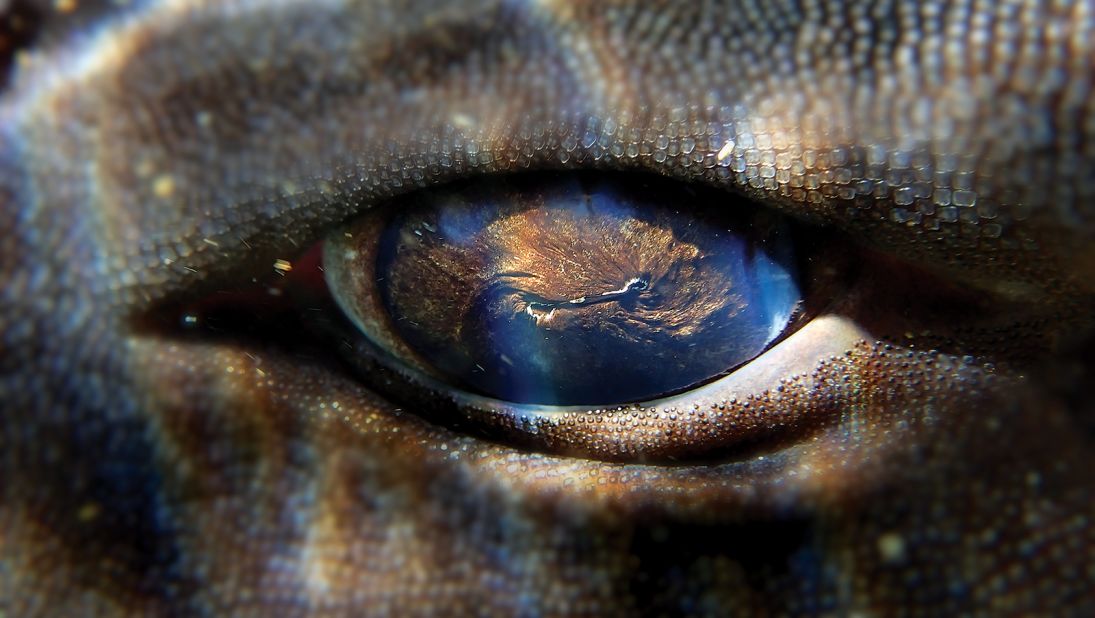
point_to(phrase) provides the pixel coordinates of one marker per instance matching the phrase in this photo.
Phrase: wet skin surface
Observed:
(925, 444)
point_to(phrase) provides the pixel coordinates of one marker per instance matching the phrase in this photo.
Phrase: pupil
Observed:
(576, 290)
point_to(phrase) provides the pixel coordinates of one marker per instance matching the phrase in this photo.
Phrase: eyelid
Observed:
(196, 183)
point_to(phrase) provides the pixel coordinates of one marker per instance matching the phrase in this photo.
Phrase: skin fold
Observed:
(933, 457)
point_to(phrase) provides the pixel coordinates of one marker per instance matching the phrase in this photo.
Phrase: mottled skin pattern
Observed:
(155, 153)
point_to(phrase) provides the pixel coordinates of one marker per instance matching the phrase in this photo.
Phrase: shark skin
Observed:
(934, 428)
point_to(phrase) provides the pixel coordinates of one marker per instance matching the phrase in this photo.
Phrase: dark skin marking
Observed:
(155, 154)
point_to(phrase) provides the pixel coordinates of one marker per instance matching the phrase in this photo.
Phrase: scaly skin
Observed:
(154, 153)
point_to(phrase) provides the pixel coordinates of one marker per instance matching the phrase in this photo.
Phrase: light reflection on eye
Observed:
(567, 290)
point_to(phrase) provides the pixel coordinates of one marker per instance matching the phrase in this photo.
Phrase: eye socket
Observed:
(567, 289)
(802, 281)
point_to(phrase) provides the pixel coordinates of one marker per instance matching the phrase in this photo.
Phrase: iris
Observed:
(567, 289)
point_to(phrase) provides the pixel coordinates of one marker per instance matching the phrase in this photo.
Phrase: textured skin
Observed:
(157, 152)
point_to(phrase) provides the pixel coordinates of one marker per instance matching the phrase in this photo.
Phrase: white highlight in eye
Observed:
(539, 317)
(779, 323)
(626, 288)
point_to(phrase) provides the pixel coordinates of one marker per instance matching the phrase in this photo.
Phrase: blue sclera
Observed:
(573, 290)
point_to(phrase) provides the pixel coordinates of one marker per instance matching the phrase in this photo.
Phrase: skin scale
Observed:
(157, 152)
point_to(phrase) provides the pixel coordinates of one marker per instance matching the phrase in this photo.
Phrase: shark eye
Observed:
(568, 289)
(621, 317)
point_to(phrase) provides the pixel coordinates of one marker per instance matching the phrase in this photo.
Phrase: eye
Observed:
(620, 317)
(567, 289)
(612, 316)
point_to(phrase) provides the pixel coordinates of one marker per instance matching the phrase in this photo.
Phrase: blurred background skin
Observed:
(153, 153)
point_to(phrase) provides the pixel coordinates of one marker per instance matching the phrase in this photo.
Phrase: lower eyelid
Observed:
(705, 423)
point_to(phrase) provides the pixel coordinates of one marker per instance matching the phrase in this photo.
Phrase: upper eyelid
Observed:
(194, 202)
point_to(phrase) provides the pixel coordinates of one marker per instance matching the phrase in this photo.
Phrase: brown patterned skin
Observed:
(153, 153)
